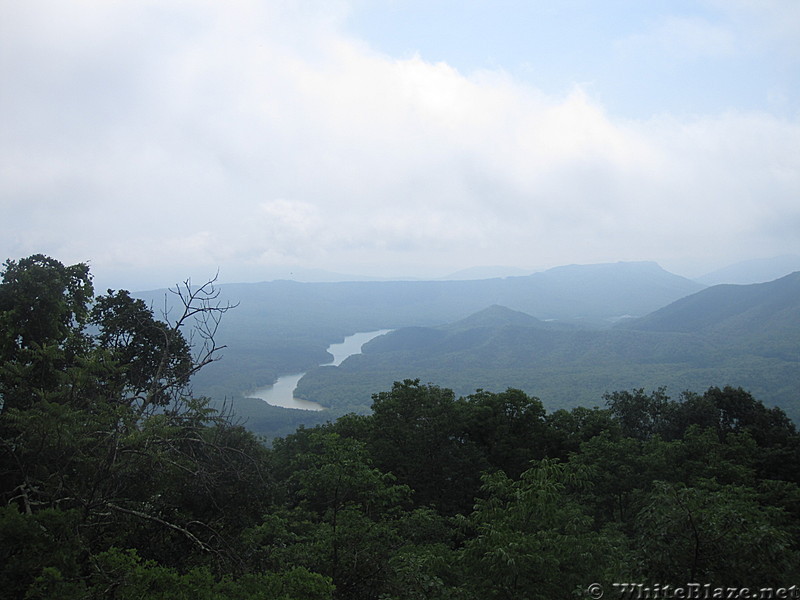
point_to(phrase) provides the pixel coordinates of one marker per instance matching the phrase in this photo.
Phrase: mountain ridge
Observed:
(759, 270)
(711, 307)
(284, 327)
(754, 344)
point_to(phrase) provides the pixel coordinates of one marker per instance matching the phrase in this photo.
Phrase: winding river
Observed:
(281, 393)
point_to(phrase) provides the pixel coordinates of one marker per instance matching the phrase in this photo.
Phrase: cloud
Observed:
(246, 134)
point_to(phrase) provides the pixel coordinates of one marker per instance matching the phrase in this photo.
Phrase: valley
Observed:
(567, 336)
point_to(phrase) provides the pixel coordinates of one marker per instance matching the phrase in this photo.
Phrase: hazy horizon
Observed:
(160, 141)
(743, 272)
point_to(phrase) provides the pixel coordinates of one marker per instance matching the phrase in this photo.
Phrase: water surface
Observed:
(281, 393)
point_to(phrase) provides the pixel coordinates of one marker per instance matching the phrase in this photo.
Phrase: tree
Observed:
(342, 517)
(534, 540)
(640, 415)
(418, 433)
(155, 358)
(619, 469)
(43, 309)
(42, 302)
(718, 534)
(99, 430)
(149, 352)
(508, 427)
(731, 413)
(567, 430)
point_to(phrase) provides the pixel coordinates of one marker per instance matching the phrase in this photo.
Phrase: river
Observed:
(281, 393)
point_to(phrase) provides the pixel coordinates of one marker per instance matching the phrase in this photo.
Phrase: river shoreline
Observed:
(281, 393)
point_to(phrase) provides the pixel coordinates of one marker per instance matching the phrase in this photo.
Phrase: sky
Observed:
(171, 139)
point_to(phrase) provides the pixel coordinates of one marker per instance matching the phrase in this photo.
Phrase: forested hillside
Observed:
(748, 336)
(116, 483)
(284, 327)
(760, 317)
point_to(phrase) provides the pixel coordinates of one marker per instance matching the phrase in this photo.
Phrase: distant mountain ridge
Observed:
(487, 273)
(596, 292)
(593, 294)
(721, 306)
(758, 320)
(760, 270)
(282, 327)
(745, 336)
(762, 318)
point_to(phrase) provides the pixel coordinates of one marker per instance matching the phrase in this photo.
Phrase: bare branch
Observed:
(136, 513)
(200, 309)
(204, 309)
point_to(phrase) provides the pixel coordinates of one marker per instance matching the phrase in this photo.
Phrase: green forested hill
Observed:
(744, 335)
(494, 316)
(743, 308)
(284, 327)
(762, 318)
(116, 482)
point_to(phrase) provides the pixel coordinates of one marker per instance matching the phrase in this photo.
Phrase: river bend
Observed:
(281, 393)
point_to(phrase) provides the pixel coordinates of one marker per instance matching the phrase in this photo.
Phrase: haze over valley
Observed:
(534, 264)
(567, 335)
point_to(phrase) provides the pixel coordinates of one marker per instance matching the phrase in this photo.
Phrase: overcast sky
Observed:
(164, 139)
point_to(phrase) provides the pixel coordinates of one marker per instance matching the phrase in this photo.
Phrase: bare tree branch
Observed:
(203, 307)
(136, 513)
(201, 310)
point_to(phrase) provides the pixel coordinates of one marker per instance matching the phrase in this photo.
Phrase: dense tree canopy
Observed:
(116, 483)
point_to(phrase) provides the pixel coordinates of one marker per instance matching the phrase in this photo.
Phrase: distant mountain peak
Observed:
(496, 316)
(619, 266)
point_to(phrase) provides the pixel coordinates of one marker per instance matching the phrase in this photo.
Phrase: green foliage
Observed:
(718, 534)
(116, 483)
(534, 540)
(745, 335)
(154, 356)
(43, 308)
(91, 454)
(42, 302)
(344, 516)
(639, 415)
(509, 427)
(124, 575)
(418, 434)
(37, 546)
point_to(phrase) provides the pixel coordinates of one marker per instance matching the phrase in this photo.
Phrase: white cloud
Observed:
(249, 133)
